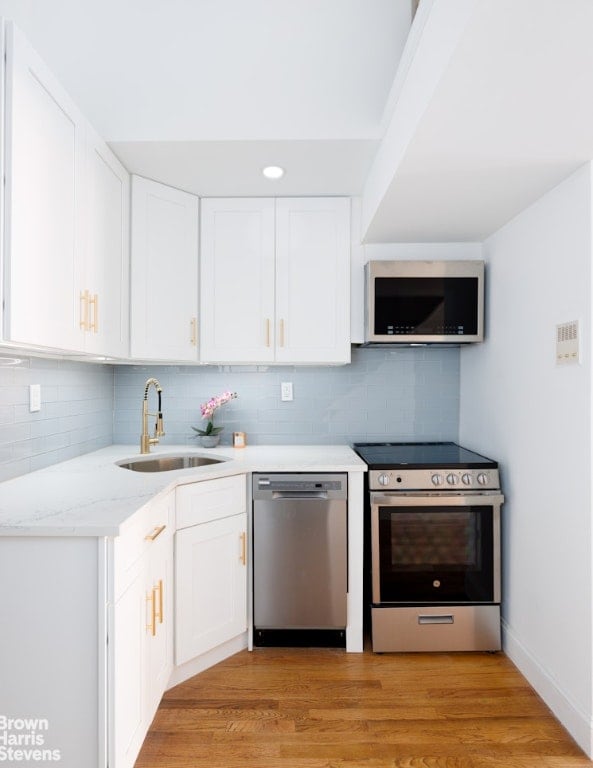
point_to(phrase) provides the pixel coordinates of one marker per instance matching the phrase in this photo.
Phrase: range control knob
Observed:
(483, 478)
(466, 479)
(384, 479)
(452, 479)
(437, 479)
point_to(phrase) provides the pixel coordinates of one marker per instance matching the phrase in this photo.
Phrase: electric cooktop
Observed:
(421, 456)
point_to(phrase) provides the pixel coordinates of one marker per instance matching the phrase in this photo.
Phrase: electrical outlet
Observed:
(286, 391)
(34, 397)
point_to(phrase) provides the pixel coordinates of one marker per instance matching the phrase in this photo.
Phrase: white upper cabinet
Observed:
(275, 280)
(45, 150)
(164, 272)
(67, 212)
(237, 280)
(106, 285)
(313, 280)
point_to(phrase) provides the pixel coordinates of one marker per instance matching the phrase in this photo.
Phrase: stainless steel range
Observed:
(433, 524)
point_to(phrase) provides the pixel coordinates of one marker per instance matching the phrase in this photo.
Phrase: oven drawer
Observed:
(436, 628)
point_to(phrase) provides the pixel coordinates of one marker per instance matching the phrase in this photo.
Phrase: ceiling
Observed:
(447, 129)
(201, 94)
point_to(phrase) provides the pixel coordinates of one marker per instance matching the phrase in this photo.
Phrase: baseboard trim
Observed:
(579, 724)
(207, 660)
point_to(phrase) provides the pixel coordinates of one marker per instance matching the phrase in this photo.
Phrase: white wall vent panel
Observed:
(567, 343)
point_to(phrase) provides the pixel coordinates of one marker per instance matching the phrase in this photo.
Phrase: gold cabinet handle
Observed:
(151, 598)
(84, 310)
(243, 556)
(159, 612)
(156, 532)
(281, 333)
(193, 335)
(267, 331)
(94, 303)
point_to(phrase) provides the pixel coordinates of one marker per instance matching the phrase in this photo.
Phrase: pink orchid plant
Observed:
(208, 410)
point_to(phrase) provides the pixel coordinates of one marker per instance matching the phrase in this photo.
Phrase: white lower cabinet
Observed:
(53, 644)
(89, 645)
(210, 565)
(142, 634)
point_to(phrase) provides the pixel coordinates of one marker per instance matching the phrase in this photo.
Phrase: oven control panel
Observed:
(433, 479)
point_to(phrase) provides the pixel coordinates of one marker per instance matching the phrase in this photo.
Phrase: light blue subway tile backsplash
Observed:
(76, 413)
(385, 394)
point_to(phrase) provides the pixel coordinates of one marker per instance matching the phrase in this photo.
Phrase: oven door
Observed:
(435, 548)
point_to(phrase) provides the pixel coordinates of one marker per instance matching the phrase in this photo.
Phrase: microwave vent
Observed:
(567, 343)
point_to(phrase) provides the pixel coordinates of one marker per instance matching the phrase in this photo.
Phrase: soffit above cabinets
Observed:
(491, 111)
(202, 94)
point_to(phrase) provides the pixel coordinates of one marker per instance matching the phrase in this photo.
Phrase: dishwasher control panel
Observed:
(330, 485)
(269, 483)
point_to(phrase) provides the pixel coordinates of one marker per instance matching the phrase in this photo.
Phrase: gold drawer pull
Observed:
(243, 557)
(159, 613)
(267, 331)
(155, 533)
(151, 598)
(193, 338)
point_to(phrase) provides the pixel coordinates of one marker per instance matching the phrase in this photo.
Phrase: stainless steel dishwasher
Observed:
(300, 570)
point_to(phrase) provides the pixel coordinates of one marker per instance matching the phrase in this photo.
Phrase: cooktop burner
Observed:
(421, 456)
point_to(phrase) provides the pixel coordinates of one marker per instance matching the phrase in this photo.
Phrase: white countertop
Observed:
(91, 496)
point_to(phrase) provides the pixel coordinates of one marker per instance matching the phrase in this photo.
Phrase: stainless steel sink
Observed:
(168, 463)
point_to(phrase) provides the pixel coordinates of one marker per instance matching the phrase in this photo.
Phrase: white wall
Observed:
(535, 418)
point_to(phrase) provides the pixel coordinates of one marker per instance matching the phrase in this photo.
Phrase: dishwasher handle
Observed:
(296, 495)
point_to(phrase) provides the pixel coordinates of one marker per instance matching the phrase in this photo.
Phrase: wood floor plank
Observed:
(323, 708)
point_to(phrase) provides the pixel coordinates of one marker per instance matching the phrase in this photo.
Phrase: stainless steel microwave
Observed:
(424, 302)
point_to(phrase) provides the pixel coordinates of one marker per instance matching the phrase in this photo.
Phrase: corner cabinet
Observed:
(210, 565)
(141, 639)
(275, 280)
(66, 244)
(164, 294)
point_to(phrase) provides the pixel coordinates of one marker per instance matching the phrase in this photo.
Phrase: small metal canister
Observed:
(239, 440)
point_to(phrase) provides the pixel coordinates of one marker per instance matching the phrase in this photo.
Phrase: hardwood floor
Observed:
(312, 708)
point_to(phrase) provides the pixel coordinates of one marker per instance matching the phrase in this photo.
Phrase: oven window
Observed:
(442, 554)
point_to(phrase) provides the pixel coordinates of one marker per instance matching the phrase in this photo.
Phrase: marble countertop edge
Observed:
(92, 496)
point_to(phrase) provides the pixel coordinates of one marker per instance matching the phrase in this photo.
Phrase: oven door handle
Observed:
(435, 500)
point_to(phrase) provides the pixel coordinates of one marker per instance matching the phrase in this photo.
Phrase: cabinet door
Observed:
(164, 273)
(237, 280)
(313, 280)
(211, 585)
(160, 640)
(44, 169)
(129, 670)
(107, 255)
(142, 632)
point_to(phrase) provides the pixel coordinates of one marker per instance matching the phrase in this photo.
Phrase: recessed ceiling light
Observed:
(273, 172)
(10, 360)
